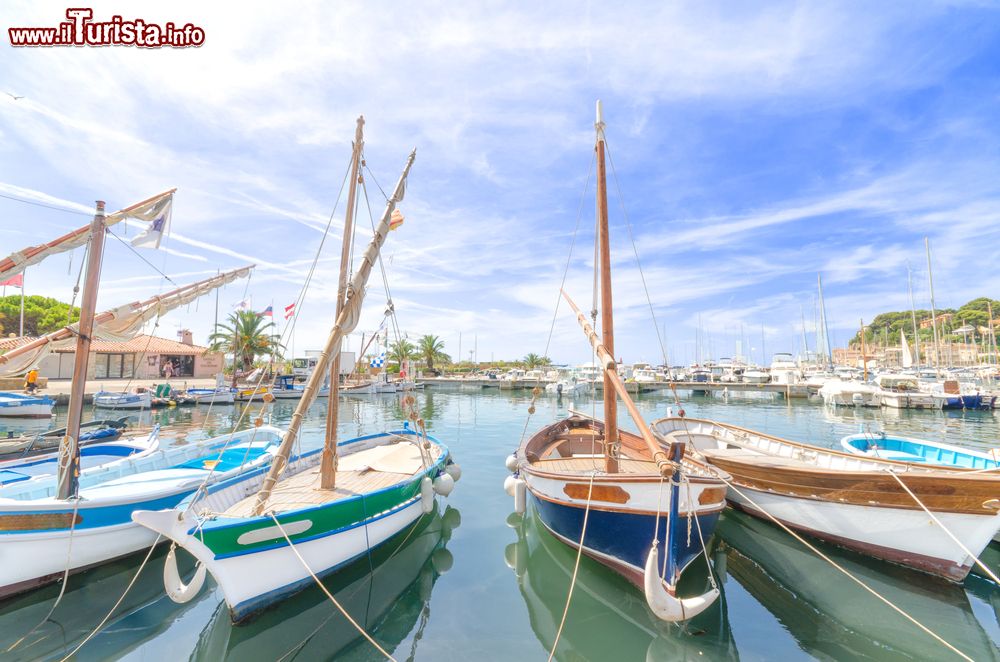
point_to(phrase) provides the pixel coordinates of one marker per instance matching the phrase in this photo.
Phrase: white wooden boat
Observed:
(45, 533)
(850, 500)
(838, 392)
(264, 537)
(626, 487)
(20, 405)
(111, 400)
(922, 451)
(211, 396)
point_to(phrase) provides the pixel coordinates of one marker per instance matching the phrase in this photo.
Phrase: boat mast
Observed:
(67, 478)
(346, 322)
(607, 318)
(827, 350)
(864, 359)
(913, 317)
(328, 464)
(930, 278)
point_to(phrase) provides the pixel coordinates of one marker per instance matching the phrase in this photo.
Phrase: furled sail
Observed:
(118, 324)
(146, 211)
(907, 357)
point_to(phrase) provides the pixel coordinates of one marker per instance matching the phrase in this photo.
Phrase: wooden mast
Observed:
(607, 317)
(346, 322)
(328, 464)
(67, 478)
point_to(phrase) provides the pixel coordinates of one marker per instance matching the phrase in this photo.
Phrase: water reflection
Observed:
(389, 595)
(89, 596)
(830, 616)
(604, 604)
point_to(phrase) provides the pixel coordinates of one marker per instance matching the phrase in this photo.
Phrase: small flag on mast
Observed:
(242, 305)
(16, 281)
(151, 236)
(268, 312)
(289, 311)
(396, 219)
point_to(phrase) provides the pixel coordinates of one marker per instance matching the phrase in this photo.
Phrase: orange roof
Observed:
(138, 345)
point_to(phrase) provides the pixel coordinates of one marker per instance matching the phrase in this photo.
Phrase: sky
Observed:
(754, 146)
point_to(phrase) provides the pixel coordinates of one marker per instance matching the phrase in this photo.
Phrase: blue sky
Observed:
(755, 146)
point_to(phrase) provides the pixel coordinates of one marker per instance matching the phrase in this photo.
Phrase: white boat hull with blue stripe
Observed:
(41, 536)
(108, 400)
(20, 405)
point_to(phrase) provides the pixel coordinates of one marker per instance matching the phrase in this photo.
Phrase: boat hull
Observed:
(39, 410)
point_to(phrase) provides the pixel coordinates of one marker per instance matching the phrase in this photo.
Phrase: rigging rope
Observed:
(576, 568)
(327, 592)
(117, 604)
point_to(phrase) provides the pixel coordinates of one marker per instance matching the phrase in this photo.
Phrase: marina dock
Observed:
(786, 390)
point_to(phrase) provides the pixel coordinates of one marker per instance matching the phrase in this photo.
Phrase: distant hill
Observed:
(974, 313)
(41, 315)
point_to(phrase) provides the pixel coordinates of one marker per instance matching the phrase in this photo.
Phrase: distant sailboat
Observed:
(907, 360)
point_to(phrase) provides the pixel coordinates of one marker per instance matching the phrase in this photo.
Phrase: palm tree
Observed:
(431, 349)
(246, 335)
(401, 351)
(532, 361)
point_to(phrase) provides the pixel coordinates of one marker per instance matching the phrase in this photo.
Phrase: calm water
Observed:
(468, 582)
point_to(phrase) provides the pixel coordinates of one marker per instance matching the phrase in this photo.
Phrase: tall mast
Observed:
(346, 322)
(827, 350)
(69, 451)
(930, 279)
(607, 318)
(864, 359)
(805, 342)
(328, 465)
(993, 333)
(913, 317)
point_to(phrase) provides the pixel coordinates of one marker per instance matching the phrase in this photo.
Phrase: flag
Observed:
(151, 236)
(396, 219)
(378, 361)
(16, 281)
(268, 312)
(242, 305)
(289, 311)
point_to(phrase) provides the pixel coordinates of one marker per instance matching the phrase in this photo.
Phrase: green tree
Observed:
(431, 349)
(532, 361)
(41, 315)
(401, 351)
(247, 335)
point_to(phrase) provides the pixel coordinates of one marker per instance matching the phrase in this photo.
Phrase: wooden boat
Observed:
(850, 500)
(81, 516)
(30, 445)
(627, 487)
(264, 537)
(112, 400)
(20, 405)
(907, 449)
(208, 396)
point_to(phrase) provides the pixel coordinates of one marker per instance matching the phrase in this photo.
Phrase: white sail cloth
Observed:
(20, 260)
(119, 324)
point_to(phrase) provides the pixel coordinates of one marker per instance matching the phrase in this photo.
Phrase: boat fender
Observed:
(670, 412)
(442, 560)
(426, 494)
(663, 603)
(511, 462)
(453, 470)
(177, 590)
(444, 484)
(508, 485)
(520, 496)
(451, 519)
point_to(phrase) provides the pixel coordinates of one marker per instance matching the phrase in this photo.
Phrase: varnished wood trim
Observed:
(38, 521)
(608, 493)
(613, 509)
(712, 495)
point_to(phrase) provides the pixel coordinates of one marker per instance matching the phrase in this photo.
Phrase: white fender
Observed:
(511, 462)
(427, 494)
(177, 590)
(454, 471)
(444, 484)
(520, 496)
(663, 603)
(670, 412)
(508, 485)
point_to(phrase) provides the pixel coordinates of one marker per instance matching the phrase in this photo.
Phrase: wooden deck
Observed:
(583, 465)
(358, 473)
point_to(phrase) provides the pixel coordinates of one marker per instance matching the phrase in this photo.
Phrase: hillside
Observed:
(973, 313)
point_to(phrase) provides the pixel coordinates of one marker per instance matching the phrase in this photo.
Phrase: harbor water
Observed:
(472, 582)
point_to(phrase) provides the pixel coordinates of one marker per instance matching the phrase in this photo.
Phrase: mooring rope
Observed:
(576, 568)
(958, 542)
(327, 592)
(117, 604)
